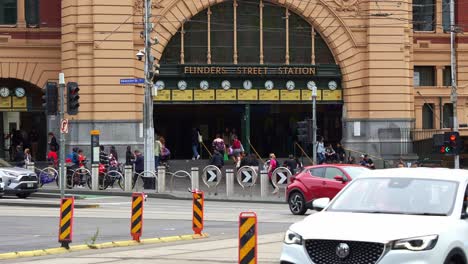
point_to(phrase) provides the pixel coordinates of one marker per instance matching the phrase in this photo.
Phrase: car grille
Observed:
(28, 178)
(325, 252)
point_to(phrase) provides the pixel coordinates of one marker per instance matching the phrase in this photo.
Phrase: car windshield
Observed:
(397, 196)
(355, 172)
(4, 164)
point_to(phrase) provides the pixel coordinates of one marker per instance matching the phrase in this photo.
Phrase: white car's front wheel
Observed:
(297, 203)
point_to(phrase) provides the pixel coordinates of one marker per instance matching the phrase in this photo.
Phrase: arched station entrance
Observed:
(249, 67)
(22, 119)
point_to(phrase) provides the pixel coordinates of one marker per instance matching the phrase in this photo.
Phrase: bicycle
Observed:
(109, 176)
(47, 175)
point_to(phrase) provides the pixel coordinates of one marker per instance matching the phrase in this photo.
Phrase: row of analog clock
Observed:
(19, 92)
(247, 84)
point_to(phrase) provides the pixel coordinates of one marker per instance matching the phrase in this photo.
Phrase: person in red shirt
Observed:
(52, 156)
(81, 158)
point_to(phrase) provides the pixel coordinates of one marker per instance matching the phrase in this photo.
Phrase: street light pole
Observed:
(314, 125)
(62, 170)
(453, 63)
(148, 132)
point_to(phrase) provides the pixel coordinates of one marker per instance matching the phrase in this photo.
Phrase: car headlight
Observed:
(417, 243)
(292, 238)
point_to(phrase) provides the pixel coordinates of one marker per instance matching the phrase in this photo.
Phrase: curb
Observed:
(127, 243)
(47, 205)
(157, 195)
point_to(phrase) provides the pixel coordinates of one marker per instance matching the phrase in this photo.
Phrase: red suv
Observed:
(317, 182)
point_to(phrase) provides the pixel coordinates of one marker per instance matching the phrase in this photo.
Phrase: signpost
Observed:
(64, 126)
(246, 176)
(132, 81)
(281, 177)
(211, 176)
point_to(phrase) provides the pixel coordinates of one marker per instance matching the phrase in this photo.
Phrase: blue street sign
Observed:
(132, 81)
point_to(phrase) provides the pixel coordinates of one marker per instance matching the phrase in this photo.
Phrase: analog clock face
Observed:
(4, 92)
(182, 85)
(290, 85)
(311, 85)
(332, 85)
(20, 92)
(226, 84)
(204, 85)
(160, 85)
(247, 84)
(269, 85)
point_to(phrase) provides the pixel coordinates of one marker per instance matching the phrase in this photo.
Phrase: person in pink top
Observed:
(271, 167)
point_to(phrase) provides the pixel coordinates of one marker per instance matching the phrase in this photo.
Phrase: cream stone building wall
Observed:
(372, 42)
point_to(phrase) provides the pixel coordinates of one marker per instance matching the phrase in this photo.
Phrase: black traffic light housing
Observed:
(73, 102)
(50, 98)
(304, 131)
(453, 144)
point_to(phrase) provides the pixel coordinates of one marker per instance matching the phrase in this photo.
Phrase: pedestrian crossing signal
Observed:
(73, 103)
(50, 98)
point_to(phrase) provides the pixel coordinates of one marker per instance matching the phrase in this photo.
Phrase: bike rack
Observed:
(179, 174)
(142, 175)
(46, 170)
(116, 175)
(80, 171)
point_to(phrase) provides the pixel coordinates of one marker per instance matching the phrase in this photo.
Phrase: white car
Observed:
(393, 216)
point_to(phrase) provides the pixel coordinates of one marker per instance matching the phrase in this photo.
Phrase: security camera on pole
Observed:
(148, 132)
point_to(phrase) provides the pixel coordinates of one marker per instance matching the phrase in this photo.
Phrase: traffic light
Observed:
(73, 102)
(50, 98)
(304, 132)
(453, 144)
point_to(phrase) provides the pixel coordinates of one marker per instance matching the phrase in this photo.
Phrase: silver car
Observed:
(17, 181)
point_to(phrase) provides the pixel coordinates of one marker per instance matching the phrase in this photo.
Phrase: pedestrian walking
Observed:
(237, 148)
(157, 152)
(218, 144)
(273, 164)
(52, 157)
(291, 164)
(340, 153)
(53, 142)
(320, 151)
(217, 159)
(19, 157)
(139, 167)
(27, 156)
(195, 143)
(129, 156)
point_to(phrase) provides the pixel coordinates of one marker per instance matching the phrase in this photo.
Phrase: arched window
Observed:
(247, 32)
(428, 116)
(448, 115)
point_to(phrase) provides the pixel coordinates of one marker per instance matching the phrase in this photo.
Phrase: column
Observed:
(21, 19)
(438, 17)
(182, 44)
(208, 56)
(261, 31)
(235, 55)
(287, 37)
(440, 75)
(246, 128)
(312, 59)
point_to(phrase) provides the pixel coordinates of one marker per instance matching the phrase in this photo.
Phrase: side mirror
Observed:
(320, 204)
(340, 178)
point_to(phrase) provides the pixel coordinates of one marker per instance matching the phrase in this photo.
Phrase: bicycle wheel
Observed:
(103, 181)
(121, 182)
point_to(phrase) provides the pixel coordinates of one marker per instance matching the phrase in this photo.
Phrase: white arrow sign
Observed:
(213, 176)
(283, 179)
(248, 176)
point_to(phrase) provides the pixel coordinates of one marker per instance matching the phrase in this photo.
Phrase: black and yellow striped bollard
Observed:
(66, 221)
(247, 238)
(197, 217)
(136, 223)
